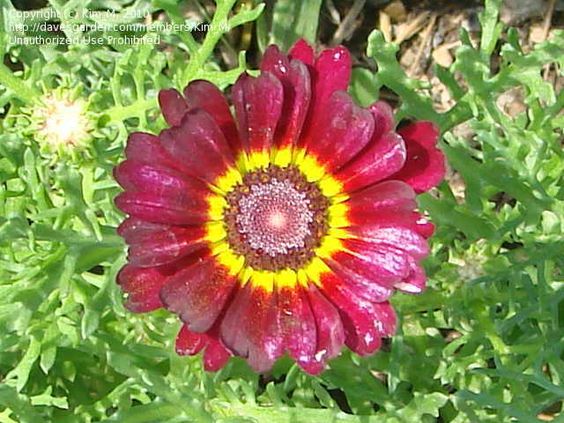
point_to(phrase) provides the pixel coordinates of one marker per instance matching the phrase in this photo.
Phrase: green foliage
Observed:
(292, 20)
(483, 343)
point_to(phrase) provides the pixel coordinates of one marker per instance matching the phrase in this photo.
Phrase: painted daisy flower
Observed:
(283, 227)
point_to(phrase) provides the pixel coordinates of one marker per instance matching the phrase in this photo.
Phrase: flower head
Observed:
(62, 124)
(284, 228)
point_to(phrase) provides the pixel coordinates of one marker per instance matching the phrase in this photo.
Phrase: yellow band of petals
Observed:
(283, 157)
(228, 180)
(286, 278)
(338, 215)
(263, 279)
(216, 206)
(215, 232)
(233, 262)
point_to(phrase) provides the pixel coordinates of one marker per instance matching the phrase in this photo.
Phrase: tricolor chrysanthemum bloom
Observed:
(282, 226)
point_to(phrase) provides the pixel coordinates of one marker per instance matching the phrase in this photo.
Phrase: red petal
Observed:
(199, 145)
(186, 210)
(330, 332)
(152, 244)
(258, 105)
(383, 264)
(198, 293)
(400, 218)
(297, 324)
(147, 148)
(142, 286)
(173, 106)
(188, 342)
(206, 96)
(425, 164)
(382, 158)
(250, 329)
(386, 319)
(302, 51)
(275, 62)
(383, 118)
(161, 195)
(373, 203)
(155, 179)
(403, 238)
(423, 226)
(191, 343)
(341, 132)
(365, 287)
(296, 82)
(359, 316)
(332, 73)
(216, 355)
(415, 282)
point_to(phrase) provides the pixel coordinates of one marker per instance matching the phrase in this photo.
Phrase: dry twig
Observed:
(408, 30)
(348, 24)
(425, 38)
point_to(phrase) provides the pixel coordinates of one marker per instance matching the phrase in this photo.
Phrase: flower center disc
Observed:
(276, 218)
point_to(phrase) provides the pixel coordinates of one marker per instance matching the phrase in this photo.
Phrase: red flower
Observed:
(285, 229)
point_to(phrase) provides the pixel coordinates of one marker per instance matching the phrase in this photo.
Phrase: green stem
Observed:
(212, 38)
(120, 113)
(20, 90)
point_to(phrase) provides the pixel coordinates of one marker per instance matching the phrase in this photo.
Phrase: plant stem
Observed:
(20, 90)
(214, 34)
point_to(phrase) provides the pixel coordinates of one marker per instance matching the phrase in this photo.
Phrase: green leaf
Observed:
(292, 20)
(21, 372)
(422, 404)
(393, 76)
(90, 322)
(19, 404)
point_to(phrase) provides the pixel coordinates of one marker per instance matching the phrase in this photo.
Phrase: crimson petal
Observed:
(366, 287)
(416, 281)
(191, 343)
(199, 145)
(149, 178)
(403, 238)
(383, 118)
(381, 159)
(296, 82)
(146, 148)
(198, 293)
(331, 73)
(258, 105)
(250, 328)
(152, 244)
(215, 355)
(425, 164)
(152, 208)
(330, 332)
(173, 106)
(384, 264)
(297, 324)
(142, 286)
(368, 205)
(302, 51)
(161, 195)
(204, 95)
(188, 342)
(360, 321)
(342, 131)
